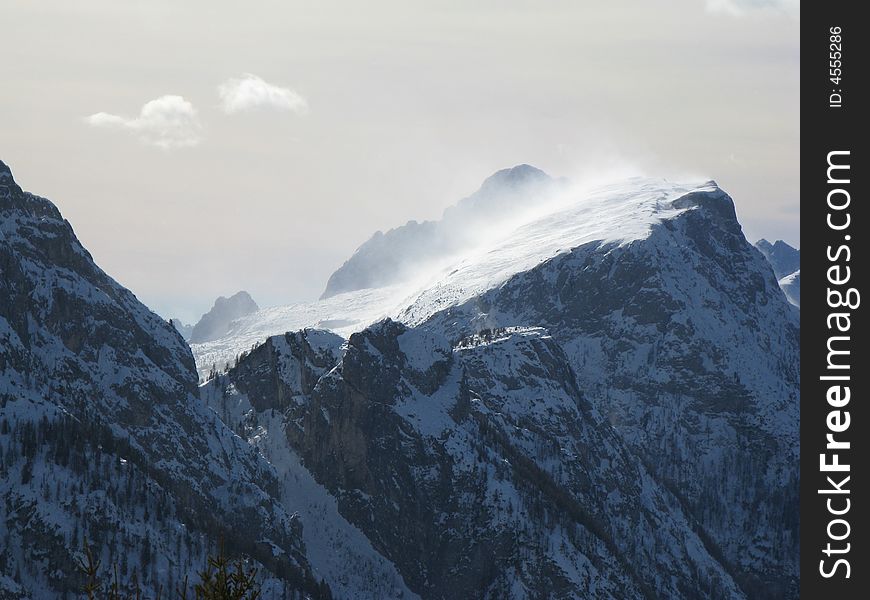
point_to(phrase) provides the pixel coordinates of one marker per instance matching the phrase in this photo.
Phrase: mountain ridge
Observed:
(104, 439)
(621, 210)
(599, 399)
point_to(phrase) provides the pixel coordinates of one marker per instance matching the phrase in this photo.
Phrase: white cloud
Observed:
(167, 122)
(738, 8)
(250, 92)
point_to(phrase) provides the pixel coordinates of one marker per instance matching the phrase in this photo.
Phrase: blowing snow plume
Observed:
(401, 253)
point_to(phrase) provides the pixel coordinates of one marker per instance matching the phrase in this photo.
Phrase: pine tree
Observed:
(90, 568)
(222, 580)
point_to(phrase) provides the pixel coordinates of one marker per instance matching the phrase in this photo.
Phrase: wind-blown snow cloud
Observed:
(166, 122)
(250, 92)
(738, 8)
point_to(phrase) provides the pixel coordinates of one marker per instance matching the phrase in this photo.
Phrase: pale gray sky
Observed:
(202, 147)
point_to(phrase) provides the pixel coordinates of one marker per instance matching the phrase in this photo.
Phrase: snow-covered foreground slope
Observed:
(103, 438)
(600, 401)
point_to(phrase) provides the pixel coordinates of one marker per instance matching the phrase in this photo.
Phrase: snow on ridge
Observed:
(790, 278)
(342, 314)
(500, 335)
(618, 212)
(615, 213)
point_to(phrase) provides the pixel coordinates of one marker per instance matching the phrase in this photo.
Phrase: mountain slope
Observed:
(685, 342)
(452, 461)
(263, 397)
(103, 438)
(607, 388)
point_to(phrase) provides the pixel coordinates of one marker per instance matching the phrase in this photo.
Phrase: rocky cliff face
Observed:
(267, 397)
(478, 469)
(103, 439)
(616, 417)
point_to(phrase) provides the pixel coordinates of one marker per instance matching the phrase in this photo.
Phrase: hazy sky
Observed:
(202, 147)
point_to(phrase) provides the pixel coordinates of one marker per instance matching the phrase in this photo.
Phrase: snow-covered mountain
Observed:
(216, 322)
(786, 263)
(103, 439)
(534, 232)
(595, 397)
(599, 399)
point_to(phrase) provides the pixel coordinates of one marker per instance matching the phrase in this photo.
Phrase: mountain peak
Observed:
(241, 297)
(7, 181)
(784, 258)
(502, 194)
(12, 197)
(513, 176)
(216, 322)
(504, 186)
(398, 254)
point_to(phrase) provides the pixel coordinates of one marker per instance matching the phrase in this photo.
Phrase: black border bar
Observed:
(834, 226)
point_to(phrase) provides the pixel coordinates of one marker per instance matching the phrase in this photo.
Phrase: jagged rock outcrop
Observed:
(267, 397)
